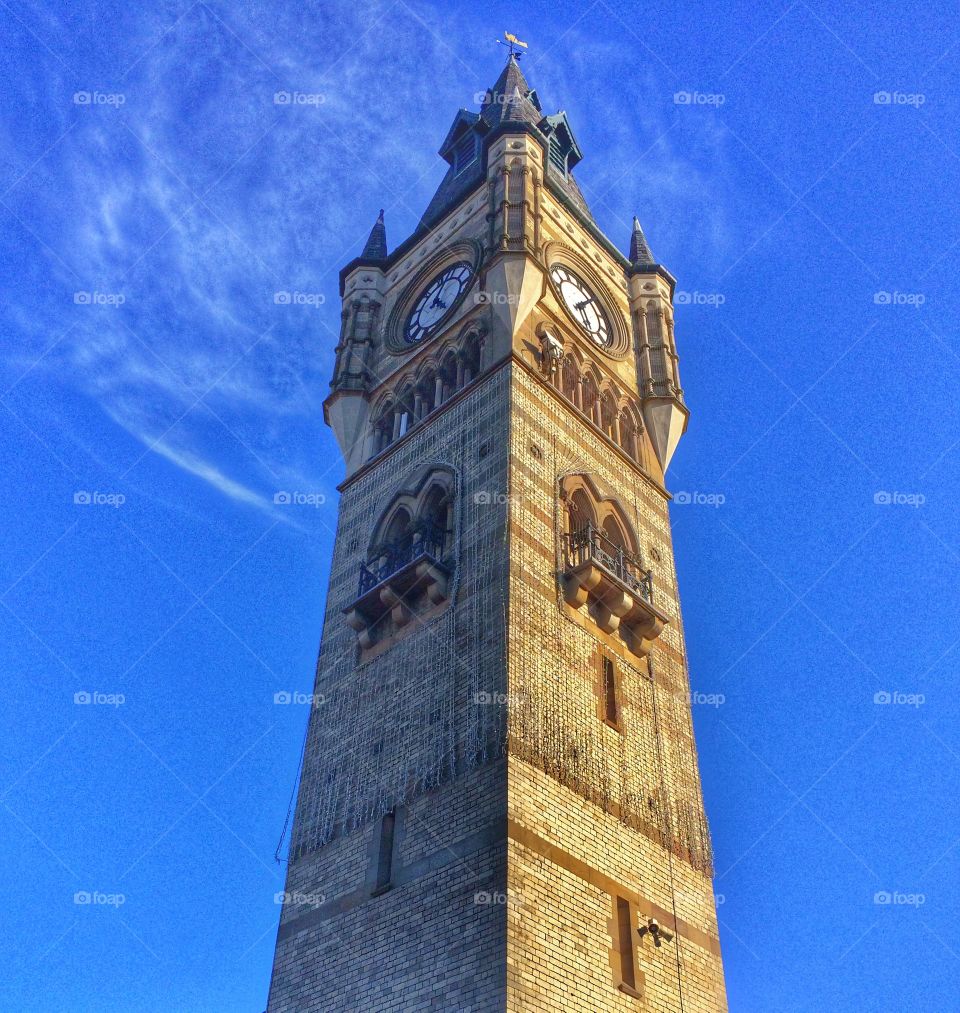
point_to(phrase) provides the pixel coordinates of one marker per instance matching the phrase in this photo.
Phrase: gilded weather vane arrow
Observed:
(514, 43)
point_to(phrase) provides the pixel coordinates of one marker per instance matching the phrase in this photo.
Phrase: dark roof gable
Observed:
(463, 122)
(510, 104)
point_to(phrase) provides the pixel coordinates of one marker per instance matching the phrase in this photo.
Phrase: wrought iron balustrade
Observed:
(424, 540)
(590, 544)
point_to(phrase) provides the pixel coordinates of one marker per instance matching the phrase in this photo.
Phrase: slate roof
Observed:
(376, 248)
(511, 100)
(640, 253)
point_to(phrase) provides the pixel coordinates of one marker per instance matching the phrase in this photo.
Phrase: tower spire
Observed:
(511, 99)
(376, 248)
(640, 253)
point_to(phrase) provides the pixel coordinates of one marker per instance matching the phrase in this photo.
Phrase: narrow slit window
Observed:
(385, 854)
(628, 973)
(610, 709)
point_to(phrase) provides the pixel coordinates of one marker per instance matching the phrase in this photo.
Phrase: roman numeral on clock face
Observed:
(437, 301)
(583, 305)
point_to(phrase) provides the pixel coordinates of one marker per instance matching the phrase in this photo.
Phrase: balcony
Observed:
(614, 586)
(401, 579)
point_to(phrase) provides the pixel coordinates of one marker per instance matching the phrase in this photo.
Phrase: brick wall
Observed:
(505, 868)
(436, 938)
(570, 849)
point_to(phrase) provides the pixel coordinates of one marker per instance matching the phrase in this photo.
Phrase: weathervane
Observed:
(514, 43)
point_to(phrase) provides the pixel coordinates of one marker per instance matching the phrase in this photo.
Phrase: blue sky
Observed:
(155, 198)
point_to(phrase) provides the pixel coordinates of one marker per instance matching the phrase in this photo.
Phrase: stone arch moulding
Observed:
(450, 366)
(560, 253)
(413, 492)
(469, 250)
(603, 579)
(604, 503)
(403, 582)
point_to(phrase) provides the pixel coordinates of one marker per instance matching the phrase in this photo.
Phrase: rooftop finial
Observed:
(514, 43)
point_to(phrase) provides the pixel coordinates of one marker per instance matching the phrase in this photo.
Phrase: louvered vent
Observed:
(558, 155)
(465, 153)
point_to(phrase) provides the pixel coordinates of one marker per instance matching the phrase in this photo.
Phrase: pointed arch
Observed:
(448, 374)
(425, 396)
(590, 394)
(421, 511)
(570, 379)
(403, 416)
(470, 355)
(651, 315)
(608, 412)
(399, 528)
(580, 511)
(435, 517)
(382, 426)
(614, 532)
(592, 499)
(629, 432)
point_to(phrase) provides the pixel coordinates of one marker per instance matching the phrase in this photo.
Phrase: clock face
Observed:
(437, 300)
(583, 305)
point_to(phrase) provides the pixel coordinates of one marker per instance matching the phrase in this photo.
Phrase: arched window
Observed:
(408, 563)
(590, 395)
(614, 533)
(433, 521)
(470, 357)
(404, 413)
(425, 398)
(580, 512)
(398, 535)
(604, 577)
(448, 376)
(608, 415)
(597, 525)
(418, 520)
(515, 187)
(628, 433)
(570, 379)
(383, 428)
(655, 340)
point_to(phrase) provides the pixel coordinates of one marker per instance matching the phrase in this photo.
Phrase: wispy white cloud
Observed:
(209, 473)
(199, 198)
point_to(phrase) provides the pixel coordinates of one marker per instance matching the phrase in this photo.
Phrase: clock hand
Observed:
(438, 303)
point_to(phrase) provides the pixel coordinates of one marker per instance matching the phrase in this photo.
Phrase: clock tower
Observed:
(499, 805)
